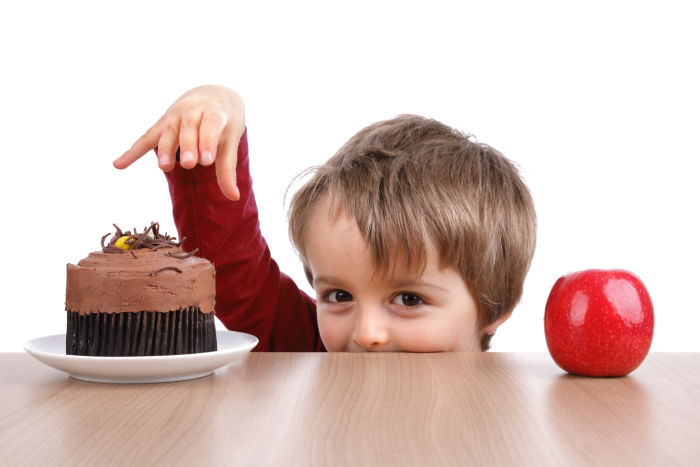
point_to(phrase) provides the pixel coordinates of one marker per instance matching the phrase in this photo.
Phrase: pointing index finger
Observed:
(142, 145)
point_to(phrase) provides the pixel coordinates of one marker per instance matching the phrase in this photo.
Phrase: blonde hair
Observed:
(410, 182)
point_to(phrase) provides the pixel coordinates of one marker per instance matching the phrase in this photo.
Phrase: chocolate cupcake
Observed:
(141, 295)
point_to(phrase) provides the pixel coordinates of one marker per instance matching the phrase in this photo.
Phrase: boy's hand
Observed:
(206, 123)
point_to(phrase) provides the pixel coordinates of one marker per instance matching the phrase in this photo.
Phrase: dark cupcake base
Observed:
(140, 334)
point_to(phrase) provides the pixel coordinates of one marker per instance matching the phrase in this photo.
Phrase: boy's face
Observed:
(359, 310)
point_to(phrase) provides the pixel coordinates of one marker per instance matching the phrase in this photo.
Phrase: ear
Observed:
(491, 327)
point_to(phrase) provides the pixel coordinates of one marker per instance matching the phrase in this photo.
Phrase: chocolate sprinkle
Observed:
(183, 255)
(167, 268)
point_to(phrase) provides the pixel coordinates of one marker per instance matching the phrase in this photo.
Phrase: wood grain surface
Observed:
(358, 409)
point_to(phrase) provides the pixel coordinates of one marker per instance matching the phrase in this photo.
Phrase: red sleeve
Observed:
(252, 295)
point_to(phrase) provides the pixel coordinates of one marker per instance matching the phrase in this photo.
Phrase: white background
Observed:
(597, 102)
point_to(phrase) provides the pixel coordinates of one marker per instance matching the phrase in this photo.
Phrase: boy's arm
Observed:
(252, 295)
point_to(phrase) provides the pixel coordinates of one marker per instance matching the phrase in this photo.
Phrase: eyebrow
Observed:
(398, 283)
(326, 280)
(401, 283)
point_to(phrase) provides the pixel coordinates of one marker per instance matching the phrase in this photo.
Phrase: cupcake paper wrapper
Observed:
(140, 334)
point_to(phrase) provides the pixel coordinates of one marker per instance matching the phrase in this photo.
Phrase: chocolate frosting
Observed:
(145, 280)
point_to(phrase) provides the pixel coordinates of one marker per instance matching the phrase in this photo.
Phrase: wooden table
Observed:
(352, 409)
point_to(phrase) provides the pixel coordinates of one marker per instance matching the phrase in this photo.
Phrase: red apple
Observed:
(599, 322)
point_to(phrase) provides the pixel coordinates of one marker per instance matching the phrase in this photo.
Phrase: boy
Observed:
(414, 237)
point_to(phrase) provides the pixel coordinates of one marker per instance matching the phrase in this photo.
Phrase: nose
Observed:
(371, 328)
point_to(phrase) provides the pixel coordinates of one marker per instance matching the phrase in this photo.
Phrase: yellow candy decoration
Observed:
(121, 243)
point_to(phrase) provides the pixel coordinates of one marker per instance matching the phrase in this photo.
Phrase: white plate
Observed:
(233, 347)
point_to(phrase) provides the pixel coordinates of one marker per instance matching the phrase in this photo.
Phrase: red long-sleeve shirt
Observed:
(252, 295)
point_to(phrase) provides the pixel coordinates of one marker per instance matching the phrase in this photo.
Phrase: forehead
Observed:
(333, 241)
(331, 227)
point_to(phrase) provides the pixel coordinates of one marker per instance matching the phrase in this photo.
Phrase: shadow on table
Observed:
(601, 420)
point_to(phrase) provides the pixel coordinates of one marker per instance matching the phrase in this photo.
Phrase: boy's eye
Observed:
(337, 296)
(407, 299)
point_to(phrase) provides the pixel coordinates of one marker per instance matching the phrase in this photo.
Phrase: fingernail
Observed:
(186, 156)
(207, 157)
(164, 159)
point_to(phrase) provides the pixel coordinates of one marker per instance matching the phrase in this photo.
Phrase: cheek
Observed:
(335, 331)
(439, 336)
